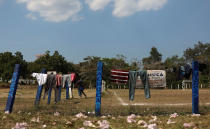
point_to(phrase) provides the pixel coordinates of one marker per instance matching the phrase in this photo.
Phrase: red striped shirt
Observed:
(119, 76)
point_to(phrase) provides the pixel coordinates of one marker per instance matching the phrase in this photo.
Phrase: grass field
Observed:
(115, 106)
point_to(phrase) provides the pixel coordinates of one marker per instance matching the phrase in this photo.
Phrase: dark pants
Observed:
(56, 94)
(59, 93)
(132, 83)
(81, 91)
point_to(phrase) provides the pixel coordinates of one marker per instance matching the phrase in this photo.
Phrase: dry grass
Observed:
(25, 98)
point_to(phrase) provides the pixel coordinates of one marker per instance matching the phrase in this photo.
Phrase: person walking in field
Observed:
(81, 88)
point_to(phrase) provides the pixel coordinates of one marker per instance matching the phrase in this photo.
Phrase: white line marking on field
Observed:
(152, 104)
(121, 101)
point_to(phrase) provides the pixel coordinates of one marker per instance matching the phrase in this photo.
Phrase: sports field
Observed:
(160, 99)
(115, 103)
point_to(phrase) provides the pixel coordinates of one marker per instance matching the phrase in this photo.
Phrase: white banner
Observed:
(157, 78)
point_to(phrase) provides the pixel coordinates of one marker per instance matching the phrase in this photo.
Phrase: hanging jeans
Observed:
(51, 83)
(132, 83)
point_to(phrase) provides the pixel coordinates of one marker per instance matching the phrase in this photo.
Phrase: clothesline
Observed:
(42, 78)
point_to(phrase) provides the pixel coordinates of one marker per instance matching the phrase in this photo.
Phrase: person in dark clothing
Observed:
(81, 88)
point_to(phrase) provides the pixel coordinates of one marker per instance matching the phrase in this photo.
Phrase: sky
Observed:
(105, 28)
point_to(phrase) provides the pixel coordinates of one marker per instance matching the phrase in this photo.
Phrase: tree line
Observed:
(88, 67)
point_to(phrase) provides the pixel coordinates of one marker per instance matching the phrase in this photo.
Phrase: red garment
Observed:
(73, 76)
(58, 80)
(119, 76)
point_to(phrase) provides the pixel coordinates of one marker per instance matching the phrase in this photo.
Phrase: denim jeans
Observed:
(132, 83)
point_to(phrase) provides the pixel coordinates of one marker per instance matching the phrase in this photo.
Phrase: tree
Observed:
(171, 66)
(154, 60)
(155, 55)
(88, 69)
(174, 61)
(200, 52)
(55, 62)
(8, 61)
(135, 64)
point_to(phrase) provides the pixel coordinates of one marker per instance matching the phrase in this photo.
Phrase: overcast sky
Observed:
(80, 28)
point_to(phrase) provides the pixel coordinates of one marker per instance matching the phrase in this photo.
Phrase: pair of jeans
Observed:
(132, 83)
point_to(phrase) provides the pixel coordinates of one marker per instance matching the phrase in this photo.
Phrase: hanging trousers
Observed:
(132, 83)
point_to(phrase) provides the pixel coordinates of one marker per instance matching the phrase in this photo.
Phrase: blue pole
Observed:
(13, 89)
(195, 88)
(67, 90)
(98, 88)
(39, 92)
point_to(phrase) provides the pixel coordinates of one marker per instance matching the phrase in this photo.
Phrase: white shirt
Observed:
(41, 78)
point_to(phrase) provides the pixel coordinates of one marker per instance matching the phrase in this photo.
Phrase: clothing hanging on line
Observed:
(73, 77)
(58, 80)
(119, 76)
(41, 78)
(66, 82)
(51, 83)
(184, 72)
(132, 83)
(66, 79)
(58, 85)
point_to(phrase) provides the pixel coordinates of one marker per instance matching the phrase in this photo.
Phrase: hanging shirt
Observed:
(51, 80)
(66, 79)
(73, 76)
(41, 78)
(188, 71)
(132, 83)
(58, 79)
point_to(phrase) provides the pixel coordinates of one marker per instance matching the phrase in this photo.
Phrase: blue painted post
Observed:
(39, 92)
(98, 88)
(67, 90)
(13, 89)
(195, 88)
